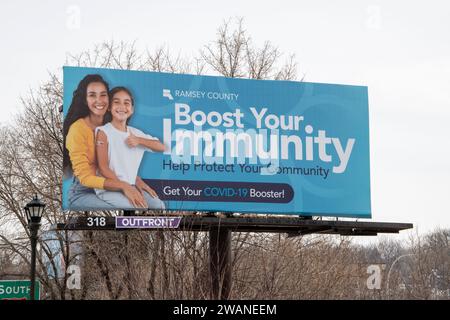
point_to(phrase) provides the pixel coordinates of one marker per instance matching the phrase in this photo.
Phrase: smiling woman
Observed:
(87, 109)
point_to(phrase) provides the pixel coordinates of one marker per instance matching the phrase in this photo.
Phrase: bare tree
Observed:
(233, 54)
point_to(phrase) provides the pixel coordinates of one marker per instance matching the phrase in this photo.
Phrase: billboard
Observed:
(206, 143)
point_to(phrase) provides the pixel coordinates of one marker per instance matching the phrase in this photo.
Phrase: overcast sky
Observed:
(399, 49)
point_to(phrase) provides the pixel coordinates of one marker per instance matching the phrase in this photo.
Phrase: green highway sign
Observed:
(18, 290)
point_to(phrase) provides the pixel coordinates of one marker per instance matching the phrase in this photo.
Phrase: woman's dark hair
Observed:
(78, 109)
(108, 116)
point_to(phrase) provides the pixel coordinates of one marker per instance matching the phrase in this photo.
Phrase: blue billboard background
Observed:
(284, 186)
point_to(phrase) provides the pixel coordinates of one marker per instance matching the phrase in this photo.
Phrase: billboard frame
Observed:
(220, 229)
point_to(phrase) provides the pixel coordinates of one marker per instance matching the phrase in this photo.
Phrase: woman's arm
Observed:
(142, 186)
(134, 195)
(77, 145)
(154, 145)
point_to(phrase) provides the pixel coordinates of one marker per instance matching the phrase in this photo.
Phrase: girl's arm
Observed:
(101, 148)
(113, 183)
(154, 145)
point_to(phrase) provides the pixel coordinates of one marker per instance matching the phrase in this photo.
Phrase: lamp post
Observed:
(34, 210)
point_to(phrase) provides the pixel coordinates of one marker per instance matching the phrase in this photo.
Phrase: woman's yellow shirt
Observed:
(80, 142)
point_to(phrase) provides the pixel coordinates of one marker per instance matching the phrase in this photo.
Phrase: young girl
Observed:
(120, 149)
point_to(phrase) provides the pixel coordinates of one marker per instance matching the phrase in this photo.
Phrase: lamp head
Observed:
(34, 210)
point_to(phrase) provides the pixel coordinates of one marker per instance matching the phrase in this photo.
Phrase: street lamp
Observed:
(390, 269)
(34, 210)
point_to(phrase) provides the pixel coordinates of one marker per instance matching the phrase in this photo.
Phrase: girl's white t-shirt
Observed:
(122, 159)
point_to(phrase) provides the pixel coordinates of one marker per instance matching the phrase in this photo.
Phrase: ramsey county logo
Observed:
(167, 94)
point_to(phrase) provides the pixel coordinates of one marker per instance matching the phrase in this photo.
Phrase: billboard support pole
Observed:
(220, 262)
